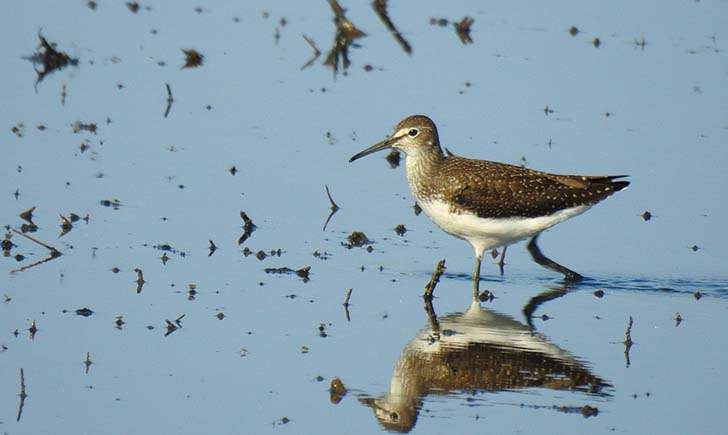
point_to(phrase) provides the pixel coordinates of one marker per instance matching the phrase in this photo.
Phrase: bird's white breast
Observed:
(488, 233)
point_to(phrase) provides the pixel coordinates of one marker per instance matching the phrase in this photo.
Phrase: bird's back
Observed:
(498, 190)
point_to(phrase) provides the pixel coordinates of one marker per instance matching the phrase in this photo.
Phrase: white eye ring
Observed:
(413, 132)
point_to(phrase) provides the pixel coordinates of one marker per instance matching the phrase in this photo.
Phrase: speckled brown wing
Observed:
(498, 190)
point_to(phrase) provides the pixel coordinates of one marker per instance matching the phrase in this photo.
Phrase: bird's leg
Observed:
(476, 276)
(538, 257)
(501, 262)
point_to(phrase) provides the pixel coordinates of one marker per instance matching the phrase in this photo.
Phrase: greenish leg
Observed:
(476, 277)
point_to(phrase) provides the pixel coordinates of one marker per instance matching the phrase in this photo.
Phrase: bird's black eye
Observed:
(413, 132)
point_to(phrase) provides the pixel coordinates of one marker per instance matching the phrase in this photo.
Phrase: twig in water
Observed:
(334, 207)
(170, 100)
(346, 304)
(33, 239)
(140, 280)
(22, 394)
(430, 287)
(628, 341)
(54, 253)
(87, 362)
(248, 228)
(316, 53)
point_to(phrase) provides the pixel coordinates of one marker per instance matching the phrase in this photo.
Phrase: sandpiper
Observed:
(490, 204)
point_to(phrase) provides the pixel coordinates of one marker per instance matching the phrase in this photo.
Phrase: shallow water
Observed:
(265, 364)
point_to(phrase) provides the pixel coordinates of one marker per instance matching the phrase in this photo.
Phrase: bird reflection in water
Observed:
(477, 351)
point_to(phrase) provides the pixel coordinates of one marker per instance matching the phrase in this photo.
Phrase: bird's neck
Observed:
(422, 167)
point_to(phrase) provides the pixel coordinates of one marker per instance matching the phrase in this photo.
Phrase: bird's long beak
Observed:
(387, 143)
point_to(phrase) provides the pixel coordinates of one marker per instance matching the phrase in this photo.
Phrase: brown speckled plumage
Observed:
(490, 204)
(497, 190)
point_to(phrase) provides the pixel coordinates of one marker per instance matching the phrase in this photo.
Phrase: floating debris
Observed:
(486, 296)
(380, 7)
(27, 215)
(641, 43)
(303, 272)
(66, 226)
(346, 34)
(442, 22)
(193, 58)
(49, 59)
(79, 126)
(463, 30)
(18, 129)
(393, 158)
(321, 255)
(589, 411)
(173, 326)
(248, 228)
(85, 312)
(334, 207)
(33, 330)
(400, 230)
(7, 244)
(357, 239)
(337, 390)
(113, 203)
(573, 31)
(646, 215)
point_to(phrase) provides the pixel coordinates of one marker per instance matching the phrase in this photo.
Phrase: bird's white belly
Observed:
(488, 233)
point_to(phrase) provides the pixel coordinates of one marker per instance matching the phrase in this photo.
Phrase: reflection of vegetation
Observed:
(346, 34)
(380, 7)
(478, 350)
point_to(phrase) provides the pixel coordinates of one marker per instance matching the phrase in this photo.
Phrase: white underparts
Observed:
(488, 233)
